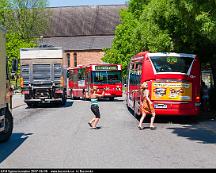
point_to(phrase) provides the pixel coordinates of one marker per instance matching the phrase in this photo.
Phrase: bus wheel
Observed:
(111, 98)
(5, 135)
(135, 114)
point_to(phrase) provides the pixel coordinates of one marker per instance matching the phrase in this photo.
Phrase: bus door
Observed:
(134, 84)
(88, 82)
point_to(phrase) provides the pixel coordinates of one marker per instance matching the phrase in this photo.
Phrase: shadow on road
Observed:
(51, 105)
(105, 100)
(7, 148)
(196, 133)
(193, 128)
(176, 119)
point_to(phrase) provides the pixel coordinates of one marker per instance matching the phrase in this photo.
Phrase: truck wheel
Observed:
(63, 102)
(30, 105)
(5, 135)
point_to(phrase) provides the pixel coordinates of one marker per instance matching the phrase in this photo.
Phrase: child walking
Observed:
(94, 106)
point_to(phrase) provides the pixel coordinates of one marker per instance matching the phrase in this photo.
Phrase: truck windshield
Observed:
(171, 64)
(106, 77)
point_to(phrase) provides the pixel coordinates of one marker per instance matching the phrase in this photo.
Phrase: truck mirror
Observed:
(14, 65)
(68, 74)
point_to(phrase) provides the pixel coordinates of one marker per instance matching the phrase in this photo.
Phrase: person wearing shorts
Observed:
(95, 107)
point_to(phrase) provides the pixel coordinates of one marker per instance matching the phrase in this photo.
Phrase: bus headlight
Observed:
(118, 88)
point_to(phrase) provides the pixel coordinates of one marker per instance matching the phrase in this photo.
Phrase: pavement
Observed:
(18, 100)
(206, 119)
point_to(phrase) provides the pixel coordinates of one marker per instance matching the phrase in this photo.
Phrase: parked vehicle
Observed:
(104, 76)
(43, 75)
(173, 80)
(6, 118)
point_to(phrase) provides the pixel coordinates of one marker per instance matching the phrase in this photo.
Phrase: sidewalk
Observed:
(18, 100)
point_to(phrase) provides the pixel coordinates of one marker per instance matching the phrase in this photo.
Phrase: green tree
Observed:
(166, 25)
(25, 21)
(123, 43)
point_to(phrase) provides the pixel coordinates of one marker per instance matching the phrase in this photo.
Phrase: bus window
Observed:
(99, 77)
(81, 74)
(171, 64)
(114, 77)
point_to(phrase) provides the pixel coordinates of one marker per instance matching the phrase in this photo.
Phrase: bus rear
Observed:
(76, 82)
(174, 82)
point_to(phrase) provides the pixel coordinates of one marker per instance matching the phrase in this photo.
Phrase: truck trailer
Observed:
(43, 75)
(6, 118)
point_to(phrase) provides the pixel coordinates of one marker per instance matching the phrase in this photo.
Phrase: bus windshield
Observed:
(106, 77)
(171, 64)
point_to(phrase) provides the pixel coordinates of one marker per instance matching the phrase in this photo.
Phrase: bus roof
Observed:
(165, 54)
(103, 64)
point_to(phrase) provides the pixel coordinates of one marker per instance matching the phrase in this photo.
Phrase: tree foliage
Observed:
(25, 21)
(165, 25)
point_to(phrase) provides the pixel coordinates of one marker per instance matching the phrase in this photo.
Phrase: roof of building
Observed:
(80, 42)
(83, 20)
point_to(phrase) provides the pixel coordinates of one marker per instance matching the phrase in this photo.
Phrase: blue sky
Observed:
(58, 3)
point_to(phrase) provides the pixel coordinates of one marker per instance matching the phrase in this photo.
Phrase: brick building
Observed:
(82, 31)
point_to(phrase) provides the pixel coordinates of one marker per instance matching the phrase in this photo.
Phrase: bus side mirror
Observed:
(14, 65)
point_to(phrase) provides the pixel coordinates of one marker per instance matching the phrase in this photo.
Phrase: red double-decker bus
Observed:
(104, 76)
(173, 79)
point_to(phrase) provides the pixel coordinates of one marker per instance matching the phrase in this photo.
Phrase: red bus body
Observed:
(104, 76)
(173, 80)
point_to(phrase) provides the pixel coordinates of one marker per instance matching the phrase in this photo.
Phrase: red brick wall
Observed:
(86, 57)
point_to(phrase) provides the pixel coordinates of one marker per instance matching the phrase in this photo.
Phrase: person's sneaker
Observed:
(140, 128)
(89, 124)
(153, 128)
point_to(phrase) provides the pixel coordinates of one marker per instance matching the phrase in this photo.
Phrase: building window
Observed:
(68, 59)
(75, 59)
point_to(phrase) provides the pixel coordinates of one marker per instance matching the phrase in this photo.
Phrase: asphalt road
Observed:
(59, 137)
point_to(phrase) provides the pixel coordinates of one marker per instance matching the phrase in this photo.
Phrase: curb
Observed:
(18, 106)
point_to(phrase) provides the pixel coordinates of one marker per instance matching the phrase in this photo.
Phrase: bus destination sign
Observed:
(106, 68)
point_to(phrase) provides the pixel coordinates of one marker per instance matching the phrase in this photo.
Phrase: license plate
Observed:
(160, 106)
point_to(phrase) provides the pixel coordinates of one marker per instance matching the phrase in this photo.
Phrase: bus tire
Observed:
(5, 135)
(111, 98)
(134, 111)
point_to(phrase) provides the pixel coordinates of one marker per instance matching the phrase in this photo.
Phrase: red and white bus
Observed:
(173, 79)
(104, 76)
